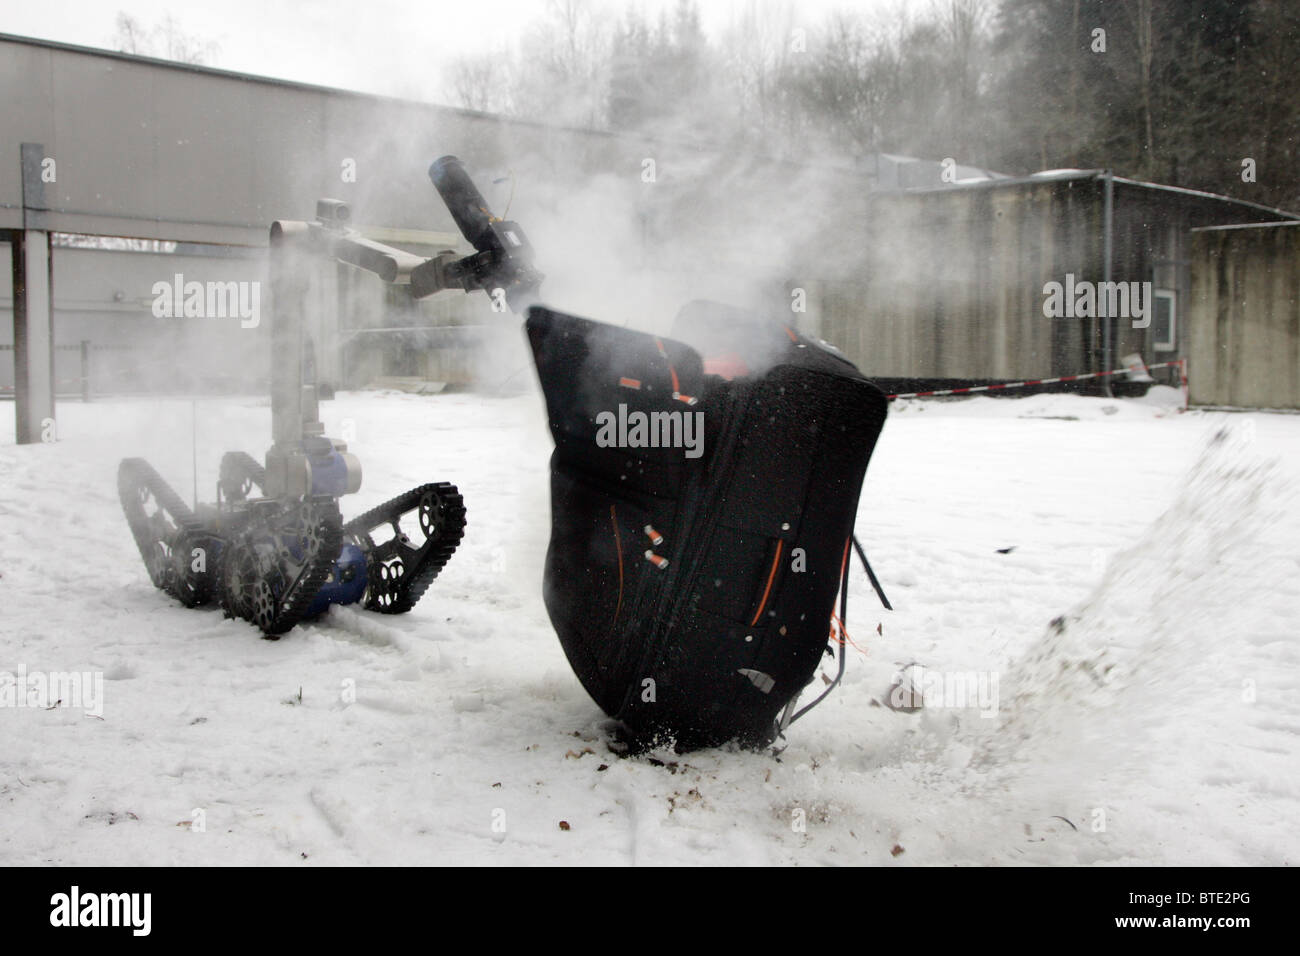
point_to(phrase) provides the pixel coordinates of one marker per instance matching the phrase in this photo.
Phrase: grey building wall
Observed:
(156, 149)
(950, 282)
(939, 283)
(167, 154)
(162, 151)
(1245, 316)
(106, 298)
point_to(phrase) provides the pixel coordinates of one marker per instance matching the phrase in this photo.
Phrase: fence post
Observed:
(85, 370)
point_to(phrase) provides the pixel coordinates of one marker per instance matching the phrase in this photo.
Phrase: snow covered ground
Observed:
(1139, 631)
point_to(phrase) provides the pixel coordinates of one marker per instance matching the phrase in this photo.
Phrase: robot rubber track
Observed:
(167, 535)
(275, 563)
(398, 571)
(270, 572)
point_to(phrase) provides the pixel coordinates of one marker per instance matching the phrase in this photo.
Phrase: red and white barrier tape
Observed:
(1180, 364)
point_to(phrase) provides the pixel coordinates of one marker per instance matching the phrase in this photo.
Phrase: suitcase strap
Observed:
(789, 715)
(880, 592)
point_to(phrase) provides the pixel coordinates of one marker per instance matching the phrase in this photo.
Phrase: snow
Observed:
(1154, 722)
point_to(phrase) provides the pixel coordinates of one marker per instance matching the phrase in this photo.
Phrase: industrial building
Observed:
(120, 174)
(1244, 315)
(955, 278)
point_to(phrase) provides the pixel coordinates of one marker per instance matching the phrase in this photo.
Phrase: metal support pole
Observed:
(33, 283)
(1107, 254)
(288, 291)
(85, 370)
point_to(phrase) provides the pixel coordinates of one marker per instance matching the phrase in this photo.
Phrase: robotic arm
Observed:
(503, 257)
(502, 260)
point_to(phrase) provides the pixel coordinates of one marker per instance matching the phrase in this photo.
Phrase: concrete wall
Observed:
(106, 298)
(165, 152)
(1244, 316)
(949, 283)
(159, 150)
(939, 283)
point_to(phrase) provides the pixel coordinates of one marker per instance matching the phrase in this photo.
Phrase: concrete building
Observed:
(1244, 317)
(149, 169)
(137, 171)
(952, 288)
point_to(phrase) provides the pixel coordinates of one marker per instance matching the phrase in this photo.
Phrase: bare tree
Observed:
(1139, 14)
(166, 40)
(183, 47)
(562, 70)
(766, 50)
(131, 36)
(480, 82)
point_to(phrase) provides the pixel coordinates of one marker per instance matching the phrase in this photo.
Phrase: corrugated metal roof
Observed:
(1069, 175)
(1247, 225)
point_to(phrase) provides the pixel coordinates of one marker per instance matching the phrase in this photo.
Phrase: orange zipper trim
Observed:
(771, 576)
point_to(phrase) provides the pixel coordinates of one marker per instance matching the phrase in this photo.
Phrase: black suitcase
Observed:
(701, 515)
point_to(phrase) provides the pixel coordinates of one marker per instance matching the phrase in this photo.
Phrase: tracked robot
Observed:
(273, 549)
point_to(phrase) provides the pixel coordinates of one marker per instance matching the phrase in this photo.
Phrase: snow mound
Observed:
(1170, 664)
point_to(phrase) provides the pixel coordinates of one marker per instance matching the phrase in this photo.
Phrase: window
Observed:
(1164, 323)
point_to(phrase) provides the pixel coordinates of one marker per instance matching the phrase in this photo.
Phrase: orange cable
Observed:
(618, 546)
(771, 576)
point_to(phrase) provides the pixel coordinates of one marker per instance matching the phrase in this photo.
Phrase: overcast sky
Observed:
(394, 47)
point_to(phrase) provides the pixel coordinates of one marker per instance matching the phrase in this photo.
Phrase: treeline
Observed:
(1196, 93)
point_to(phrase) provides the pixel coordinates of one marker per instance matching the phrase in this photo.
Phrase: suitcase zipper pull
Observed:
(656, 560)
(655, 537)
